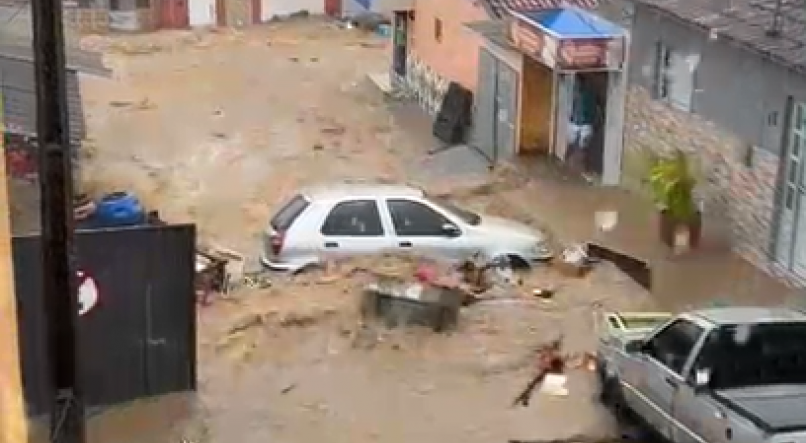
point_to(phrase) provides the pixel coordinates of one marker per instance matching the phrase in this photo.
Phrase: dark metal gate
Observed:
(496, 108)
(139, 339)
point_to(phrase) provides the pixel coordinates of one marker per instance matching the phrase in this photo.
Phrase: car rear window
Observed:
(290, 211)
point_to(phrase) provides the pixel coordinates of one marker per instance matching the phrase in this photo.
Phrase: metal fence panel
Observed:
(139, 339)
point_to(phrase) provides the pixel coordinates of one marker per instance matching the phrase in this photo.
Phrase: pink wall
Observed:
(455, 57)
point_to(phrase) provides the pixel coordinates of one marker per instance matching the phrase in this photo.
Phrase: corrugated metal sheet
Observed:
(19, 98)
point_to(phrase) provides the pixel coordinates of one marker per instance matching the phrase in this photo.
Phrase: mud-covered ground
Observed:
(217, 128)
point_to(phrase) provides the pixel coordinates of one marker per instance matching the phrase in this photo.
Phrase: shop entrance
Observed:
(585, 124)
(573, 89)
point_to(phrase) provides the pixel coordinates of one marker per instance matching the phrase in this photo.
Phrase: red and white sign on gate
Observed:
(87, 293)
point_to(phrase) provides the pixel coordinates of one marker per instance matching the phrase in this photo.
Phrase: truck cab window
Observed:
(672, 346)
(742, 356)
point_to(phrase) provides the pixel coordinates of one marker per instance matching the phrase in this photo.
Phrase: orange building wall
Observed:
(455, 57)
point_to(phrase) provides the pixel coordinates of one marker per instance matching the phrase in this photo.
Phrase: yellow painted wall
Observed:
(536, 107)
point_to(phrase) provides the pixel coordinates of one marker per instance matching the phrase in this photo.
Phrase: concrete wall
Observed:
(735, 129)
(433, 63)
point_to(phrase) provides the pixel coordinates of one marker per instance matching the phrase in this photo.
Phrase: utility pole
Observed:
(13, 422)
(56, 188)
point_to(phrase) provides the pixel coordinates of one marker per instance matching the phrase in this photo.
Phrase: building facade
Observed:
(700, 80)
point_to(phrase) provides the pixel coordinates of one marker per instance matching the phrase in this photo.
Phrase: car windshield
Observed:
(466, 216)
(758, 355)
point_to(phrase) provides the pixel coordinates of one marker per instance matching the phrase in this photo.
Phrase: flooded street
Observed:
(218, 128)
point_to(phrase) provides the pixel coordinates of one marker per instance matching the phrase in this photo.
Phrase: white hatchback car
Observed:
(344, 220)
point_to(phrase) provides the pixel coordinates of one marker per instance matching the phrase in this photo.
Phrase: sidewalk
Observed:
(712, 273)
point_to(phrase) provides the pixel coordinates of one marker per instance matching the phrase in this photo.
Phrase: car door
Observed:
(421, 228)
(699, 418)
(353, 227)
(664, 358)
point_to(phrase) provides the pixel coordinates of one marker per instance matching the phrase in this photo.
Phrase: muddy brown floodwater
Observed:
(296, 363)
(216, 128)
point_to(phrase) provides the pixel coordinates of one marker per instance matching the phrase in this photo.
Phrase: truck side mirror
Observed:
(702, 379)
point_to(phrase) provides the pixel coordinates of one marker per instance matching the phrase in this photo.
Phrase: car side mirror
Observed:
(635, 347)
(450, 230)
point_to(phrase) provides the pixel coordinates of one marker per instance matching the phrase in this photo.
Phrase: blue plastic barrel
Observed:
(384, 30)
(119, 209)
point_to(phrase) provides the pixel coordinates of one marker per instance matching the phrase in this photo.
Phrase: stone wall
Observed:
(737, 182)
(424, 85)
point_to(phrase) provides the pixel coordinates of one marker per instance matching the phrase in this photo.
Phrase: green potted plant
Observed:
(672, 183)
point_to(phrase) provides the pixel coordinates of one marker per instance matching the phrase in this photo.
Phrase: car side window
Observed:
(672, 346)
(412, 218)
(356, 218)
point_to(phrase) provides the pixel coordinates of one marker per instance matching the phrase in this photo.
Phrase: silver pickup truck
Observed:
(716, 375)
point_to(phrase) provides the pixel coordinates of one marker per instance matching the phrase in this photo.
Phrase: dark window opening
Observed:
(755, 355)
(672, 346)
(358, 218)
(416, 219)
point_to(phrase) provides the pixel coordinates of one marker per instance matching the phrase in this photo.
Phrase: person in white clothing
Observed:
(580, 124)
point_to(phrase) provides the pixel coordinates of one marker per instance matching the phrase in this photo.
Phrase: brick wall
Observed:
(738, 196)
(432, 64)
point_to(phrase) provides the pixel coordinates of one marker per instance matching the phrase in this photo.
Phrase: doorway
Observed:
(792, 228)
(400, 42)
(586, 124)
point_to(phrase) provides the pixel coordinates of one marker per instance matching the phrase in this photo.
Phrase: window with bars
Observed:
(797, 140)
(674, 77)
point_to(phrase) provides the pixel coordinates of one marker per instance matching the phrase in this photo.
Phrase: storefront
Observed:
(572, 89)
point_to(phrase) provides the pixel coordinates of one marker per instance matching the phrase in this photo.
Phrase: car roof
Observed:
(341, 191)
(749, 315)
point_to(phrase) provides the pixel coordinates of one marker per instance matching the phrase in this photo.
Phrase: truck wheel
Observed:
(610, 394)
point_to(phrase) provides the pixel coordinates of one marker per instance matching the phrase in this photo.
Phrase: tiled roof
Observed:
(747, 22)
(499, 7)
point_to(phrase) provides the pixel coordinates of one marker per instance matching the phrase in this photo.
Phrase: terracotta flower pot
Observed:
(669, 227)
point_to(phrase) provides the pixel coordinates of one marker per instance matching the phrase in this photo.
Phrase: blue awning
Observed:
(571, 23)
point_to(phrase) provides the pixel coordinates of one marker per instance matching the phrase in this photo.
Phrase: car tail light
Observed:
(276, 241)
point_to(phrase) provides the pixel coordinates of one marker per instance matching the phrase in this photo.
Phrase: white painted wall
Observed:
(202, 12)
(271, 8)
